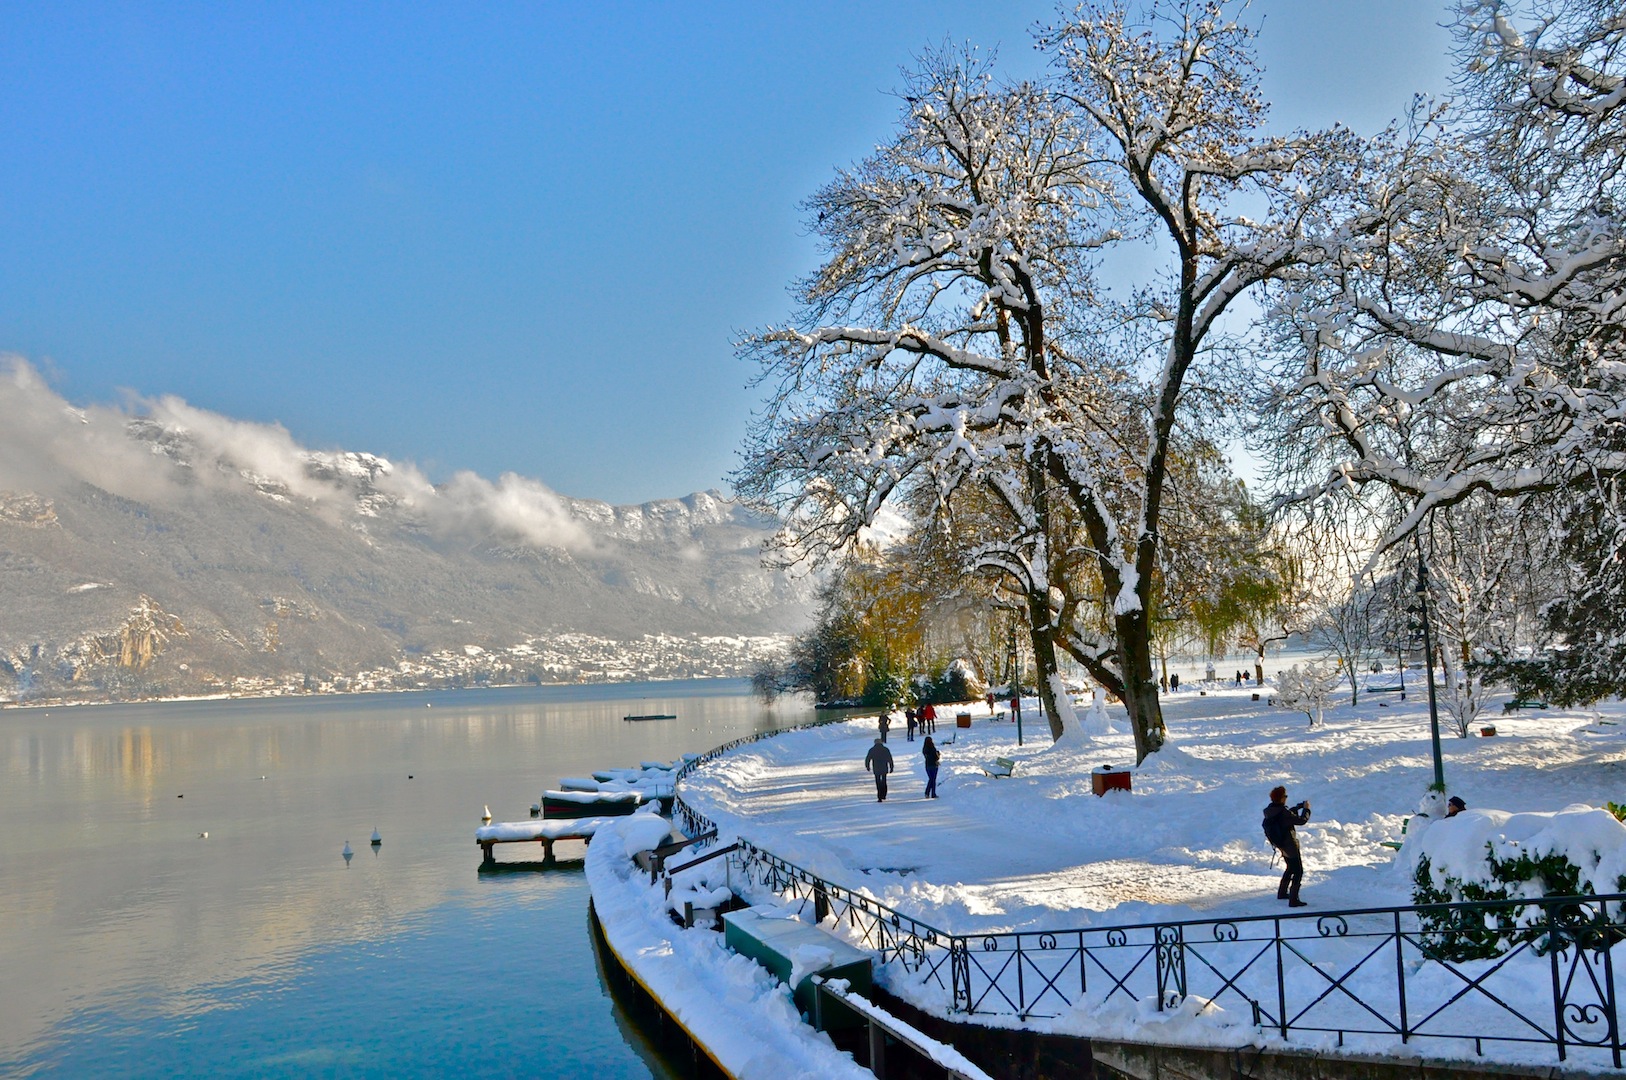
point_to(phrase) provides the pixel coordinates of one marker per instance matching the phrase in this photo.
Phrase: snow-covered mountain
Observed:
(165, 549)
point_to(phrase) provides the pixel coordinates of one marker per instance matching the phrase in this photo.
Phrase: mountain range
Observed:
(157, 548)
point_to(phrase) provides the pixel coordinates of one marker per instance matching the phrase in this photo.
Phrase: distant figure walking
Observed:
(879, 762)
(909, 725)
(883, 722)
(928, 718)
(1279, 824)
(1174, 682)
(929, 754)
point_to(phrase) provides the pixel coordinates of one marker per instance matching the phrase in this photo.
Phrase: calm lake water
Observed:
(131, 946)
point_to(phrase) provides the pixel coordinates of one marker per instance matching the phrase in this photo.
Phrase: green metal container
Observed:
(773, 943)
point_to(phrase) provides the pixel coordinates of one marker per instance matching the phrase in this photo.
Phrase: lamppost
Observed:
(1428, 665)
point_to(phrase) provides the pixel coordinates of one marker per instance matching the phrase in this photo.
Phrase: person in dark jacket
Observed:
(884, 723)
(879, 762)
(929, 754)
(1280, 822)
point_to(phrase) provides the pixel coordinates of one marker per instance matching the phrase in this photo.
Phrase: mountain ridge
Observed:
(169, 550)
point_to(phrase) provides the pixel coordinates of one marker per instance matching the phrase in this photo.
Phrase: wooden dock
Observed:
(546, 833)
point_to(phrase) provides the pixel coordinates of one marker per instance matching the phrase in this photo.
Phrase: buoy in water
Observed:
(347, 853)
(203, 836)
(377, 839)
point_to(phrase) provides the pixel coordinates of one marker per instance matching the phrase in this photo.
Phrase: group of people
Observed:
(924, 720)
(878, 762)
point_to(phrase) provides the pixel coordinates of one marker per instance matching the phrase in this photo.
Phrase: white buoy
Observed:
(486, 816)
(347, 852)
(377, 839)
(203, 836)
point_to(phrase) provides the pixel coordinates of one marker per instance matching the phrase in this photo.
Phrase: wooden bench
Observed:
(1000, 767)
(1524, 703)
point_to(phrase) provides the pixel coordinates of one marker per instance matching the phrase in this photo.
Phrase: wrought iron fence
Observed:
(1502, 972)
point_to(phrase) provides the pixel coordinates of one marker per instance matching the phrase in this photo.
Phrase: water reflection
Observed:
(112, 906)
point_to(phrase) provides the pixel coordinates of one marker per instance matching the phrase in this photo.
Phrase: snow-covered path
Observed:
(1038, 850)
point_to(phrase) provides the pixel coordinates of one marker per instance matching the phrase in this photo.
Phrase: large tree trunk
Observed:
(1140, 688)
(1043, 638)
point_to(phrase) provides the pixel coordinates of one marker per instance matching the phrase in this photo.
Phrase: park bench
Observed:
(1000, 767)
(1524, 703)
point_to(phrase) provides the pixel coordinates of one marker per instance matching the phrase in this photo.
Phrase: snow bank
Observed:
(1460, 850)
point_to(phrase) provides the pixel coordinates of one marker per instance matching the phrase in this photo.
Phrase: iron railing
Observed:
(1537, 972)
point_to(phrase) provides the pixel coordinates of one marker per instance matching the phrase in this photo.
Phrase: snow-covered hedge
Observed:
(1482, 855)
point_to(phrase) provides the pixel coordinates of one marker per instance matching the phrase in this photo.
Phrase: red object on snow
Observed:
(1106, 779)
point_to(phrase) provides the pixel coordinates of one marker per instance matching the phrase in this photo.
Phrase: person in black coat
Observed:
(1280, 823)
(879, 762)
(929, 754)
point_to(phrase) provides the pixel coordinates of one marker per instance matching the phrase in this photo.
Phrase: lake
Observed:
(133, 946)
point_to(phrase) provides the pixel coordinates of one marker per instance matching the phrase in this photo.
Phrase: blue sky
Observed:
(492, 237)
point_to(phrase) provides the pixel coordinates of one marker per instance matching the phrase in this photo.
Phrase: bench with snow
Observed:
(1524, 703)
(546, 833)
(1000, 767)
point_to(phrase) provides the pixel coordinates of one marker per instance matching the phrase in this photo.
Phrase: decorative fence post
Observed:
(1171, 964)
(960, 973)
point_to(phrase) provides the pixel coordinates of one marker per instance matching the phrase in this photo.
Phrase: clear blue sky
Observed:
(499, 237)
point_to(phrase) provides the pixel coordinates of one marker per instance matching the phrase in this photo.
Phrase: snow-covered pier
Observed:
(546, 833)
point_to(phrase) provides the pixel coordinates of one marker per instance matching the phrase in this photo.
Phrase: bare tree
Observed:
(953, 330)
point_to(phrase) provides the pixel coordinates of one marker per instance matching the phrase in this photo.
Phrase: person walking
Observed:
(1279, 824)
(879, 762)
(909, 725)
(929, 754)
(883, 722)
(928, 718)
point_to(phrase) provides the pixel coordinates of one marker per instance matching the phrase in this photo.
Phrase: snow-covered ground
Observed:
(1038, 852)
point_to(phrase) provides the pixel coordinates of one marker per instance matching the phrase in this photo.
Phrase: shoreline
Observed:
(66, 703)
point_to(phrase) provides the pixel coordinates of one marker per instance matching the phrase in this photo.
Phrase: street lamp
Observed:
(1428, 665)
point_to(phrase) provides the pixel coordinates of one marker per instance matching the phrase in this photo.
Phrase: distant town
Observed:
(569, 658)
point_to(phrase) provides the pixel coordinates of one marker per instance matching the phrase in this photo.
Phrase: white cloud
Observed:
(47, 445)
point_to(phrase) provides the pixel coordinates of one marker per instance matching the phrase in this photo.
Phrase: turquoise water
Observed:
(132, 946)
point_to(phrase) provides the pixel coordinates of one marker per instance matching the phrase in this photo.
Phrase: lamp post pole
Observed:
(1428, 666)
